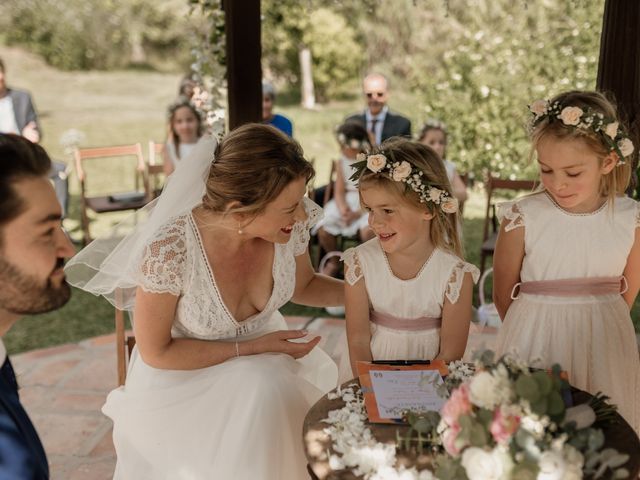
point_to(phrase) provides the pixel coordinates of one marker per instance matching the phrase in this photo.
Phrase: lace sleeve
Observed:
(353, 270)
(161, 269)
(512, 212)
(300, 234)
(454, 284)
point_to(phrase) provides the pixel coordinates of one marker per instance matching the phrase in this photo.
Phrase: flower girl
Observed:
(567, 259)
(408, 295)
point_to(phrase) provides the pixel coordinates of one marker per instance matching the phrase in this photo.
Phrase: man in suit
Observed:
(33, 247)
(379, 121)
(17, 113)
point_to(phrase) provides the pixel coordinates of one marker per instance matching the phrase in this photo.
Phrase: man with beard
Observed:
(33, 247)
(378, 120)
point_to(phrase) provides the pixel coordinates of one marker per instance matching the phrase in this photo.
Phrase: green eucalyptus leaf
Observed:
(544, 381)
(555, 404)
(527, 388)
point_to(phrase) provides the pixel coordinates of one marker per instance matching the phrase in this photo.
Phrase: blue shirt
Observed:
(282, 123)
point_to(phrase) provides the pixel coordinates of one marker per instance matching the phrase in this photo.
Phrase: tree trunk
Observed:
(306, 76)
(138, 55)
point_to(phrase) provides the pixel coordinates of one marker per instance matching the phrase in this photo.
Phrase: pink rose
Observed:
(458, 404)
(449, 438)
(571, 115)
(503, 426)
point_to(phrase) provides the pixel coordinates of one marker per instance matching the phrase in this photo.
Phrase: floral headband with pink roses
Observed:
(582, 118)
(408, 174)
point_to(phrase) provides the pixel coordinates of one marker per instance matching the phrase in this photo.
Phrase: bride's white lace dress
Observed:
(241, 419)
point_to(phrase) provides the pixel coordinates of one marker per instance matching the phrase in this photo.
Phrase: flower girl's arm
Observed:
(455, 323)
(154, 315)
(315, 289)
(358, 328)
(632, 271)
(507, 262)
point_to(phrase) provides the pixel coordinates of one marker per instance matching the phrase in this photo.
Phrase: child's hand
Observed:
(350, 216)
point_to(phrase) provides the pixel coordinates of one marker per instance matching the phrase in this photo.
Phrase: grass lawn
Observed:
(121, 107)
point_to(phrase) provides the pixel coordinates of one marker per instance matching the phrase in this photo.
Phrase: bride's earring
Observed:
(240, 231)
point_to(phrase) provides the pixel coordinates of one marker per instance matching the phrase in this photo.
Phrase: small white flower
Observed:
(626, 147)
(450, 205)
(342, 139)
(488, 390)
(571, 115)
(402, 171)
(611, 130)
(539, 107)
(355, 144)
(375, 163)
(361, 157)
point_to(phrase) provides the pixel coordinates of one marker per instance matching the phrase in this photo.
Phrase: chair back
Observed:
(156, 152)
(328, 193)
(492, 184)
(155, 168)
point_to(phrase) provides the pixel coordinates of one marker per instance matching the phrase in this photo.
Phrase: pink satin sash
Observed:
(408, 324)
(572, 287)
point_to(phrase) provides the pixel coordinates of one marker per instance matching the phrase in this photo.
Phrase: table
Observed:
(318, 445)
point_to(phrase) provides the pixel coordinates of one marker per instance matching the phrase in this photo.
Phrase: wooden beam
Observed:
(619, 64)
(244, 52)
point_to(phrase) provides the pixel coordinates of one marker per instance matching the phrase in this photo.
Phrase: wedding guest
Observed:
(277, 120)
(217, 386)
(343, 214)
(434, 134)
(567, 259)
(408, 291)
(187, 87)
(380, 122)
(33, 247)
(185, 126)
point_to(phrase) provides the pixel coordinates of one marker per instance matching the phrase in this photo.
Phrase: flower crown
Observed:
(408, 174)
(585, 119)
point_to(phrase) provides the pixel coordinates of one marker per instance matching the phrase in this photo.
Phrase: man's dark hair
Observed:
(19, 159)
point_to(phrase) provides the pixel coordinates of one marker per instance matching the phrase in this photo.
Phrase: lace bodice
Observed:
(559, 244)
(422, 296)
(175, 262)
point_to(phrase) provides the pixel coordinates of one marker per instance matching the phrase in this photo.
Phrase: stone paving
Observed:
(63, 389)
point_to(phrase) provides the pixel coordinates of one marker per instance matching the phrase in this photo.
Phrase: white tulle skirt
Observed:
(239, 420)
(592, 338)
(389, 344)
(332, 221)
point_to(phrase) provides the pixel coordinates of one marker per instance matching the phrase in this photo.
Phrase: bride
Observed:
(216, 388)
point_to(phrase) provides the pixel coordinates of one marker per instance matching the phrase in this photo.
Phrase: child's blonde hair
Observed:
(613, 183)
(444, 226)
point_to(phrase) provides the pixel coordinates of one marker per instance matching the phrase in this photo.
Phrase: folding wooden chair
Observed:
(124, 344)
(117, 201)
(489, 237)
(155, 168)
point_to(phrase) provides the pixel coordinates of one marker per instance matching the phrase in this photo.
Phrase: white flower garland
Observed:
(355, 446)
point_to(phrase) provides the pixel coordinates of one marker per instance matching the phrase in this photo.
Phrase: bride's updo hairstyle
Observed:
(253, 164)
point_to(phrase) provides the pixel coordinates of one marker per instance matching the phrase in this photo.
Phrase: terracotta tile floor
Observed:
(64, 387)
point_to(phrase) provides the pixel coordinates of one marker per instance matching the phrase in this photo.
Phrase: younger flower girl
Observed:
(408, 291)
(567, 259)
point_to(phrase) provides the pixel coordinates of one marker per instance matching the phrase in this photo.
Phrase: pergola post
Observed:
(619, 64)
(244, 71)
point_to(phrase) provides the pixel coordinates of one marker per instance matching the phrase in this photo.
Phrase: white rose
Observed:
(402, 171)
(361, 157)
(626, 147)
(487, 390)
(434, 194)
(539, 107)
(375, 163)
(450, 205)
(482, 465)
(571, 115)
(611, 130)
(552, 466)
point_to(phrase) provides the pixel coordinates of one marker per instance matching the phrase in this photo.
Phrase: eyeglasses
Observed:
(372, 94)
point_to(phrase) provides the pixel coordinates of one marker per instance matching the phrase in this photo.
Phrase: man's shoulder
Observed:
(18, 94)
(398, 117)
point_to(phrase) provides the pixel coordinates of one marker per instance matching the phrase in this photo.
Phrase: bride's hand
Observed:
(279, 342)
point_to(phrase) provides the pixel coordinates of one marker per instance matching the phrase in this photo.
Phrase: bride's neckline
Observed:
(214, 284)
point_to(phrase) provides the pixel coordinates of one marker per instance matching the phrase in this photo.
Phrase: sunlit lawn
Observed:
(113, 108)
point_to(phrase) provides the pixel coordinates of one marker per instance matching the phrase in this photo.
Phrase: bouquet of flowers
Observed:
(507, 421)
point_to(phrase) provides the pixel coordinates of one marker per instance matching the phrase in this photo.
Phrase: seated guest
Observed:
(281, 122)
(33, 247)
